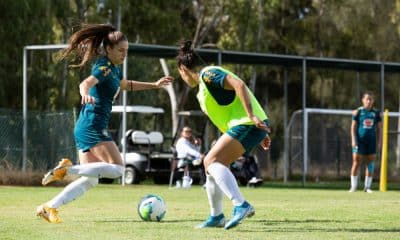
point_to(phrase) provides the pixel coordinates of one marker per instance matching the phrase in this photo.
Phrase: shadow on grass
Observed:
(281, 227)
(335, 185)
(126, 220)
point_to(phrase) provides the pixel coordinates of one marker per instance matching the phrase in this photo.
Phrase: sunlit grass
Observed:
(109, 212)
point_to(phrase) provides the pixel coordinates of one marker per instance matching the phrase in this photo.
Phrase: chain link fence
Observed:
(50, 138)
(329, 147)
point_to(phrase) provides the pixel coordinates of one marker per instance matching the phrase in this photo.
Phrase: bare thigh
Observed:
(102, 152)
(225, 151)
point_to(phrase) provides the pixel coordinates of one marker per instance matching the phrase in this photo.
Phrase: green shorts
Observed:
(248, 135)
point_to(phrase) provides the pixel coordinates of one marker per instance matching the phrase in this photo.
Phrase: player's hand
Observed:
(164, 81)
(88, 99)
(260, 124)
(266, 143)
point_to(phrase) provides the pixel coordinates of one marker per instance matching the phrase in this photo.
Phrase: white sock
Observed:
(226, 182)
(97, 170)
(215, 196)
(367, 182)
(354, 182)
(72, 191)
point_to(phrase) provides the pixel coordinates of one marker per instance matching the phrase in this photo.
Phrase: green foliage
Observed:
(355, 29)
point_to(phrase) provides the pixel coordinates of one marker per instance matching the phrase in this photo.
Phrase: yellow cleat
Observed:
(58, 173)
(48, 214)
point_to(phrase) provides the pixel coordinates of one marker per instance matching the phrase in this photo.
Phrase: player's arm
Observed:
(84, 87)
(131, 85)
(353, 130)
(231, 83)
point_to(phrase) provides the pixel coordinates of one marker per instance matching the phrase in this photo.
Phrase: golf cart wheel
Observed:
(131, 176)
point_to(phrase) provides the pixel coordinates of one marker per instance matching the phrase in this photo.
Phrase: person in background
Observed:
(188, 153)
(366, 134)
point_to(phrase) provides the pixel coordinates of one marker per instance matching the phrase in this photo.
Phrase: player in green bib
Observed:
(234, 110)
(365, 134)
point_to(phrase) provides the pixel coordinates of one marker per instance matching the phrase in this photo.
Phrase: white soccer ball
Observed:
(151, 208)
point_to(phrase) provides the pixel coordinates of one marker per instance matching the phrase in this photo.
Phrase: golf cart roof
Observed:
(137, 109)
(191, 113)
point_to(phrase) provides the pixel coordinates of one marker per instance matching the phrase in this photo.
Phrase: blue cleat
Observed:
(239, 213)
(213, 221)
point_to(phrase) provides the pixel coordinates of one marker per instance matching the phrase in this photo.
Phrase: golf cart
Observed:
(147, 153)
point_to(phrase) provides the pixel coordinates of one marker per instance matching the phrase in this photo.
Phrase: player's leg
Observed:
(215, 197)
(49, 210)
(90, 170)
(109, 164)
(354, 172)
(358, 155)
(227, 149)
(102, 161)
(220, 179)
(369, 172)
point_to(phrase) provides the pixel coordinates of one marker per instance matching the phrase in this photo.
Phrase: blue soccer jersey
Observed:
(367, 121)
(91, 127)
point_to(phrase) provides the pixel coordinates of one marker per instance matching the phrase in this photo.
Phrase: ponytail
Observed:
(187, 56)
(87, 43)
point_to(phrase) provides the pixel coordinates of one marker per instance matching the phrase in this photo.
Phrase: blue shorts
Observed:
(366, 146)
(248, 135)
(88, 136)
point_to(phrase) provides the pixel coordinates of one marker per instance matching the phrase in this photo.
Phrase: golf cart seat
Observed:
(155, 137)
(139, 137)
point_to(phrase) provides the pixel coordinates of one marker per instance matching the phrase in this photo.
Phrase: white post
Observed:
(285, 127)
(25, 108)
(125, 76)
(305, 146)
(172, 98)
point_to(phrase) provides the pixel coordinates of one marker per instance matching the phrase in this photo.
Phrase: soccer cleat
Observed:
(58, 173)
(213, 221)
(368, 190)
(48, 214)
(239, 213)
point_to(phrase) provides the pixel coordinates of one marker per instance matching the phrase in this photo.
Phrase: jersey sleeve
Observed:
(355, 114)
(214, 77)
(101, 70)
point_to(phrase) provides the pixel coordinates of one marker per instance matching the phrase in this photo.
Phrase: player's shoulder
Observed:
(211, 71)
(102, 65)
(212, 74)
(356, 111)
(102, 61)
(377, 111)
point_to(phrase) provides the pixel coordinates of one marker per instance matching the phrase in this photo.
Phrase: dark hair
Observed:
(186, 55)
(367, 93)
(86, 43)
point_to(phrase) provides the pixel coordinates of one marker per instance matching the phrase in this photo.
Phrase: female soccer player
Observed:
(231, 106)
(98, 154)
(365, 128)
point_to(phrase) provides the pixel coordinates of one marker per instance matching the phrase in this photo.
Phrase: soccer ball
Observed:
(151, 208)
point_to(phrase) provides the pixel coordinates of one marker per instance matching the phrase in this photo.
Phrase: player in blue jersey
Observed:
(365, 136)
(232, 107)
(98, 154)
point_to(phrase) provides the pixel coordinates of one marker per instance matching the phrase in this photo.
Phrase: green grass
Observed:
(109, 212)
